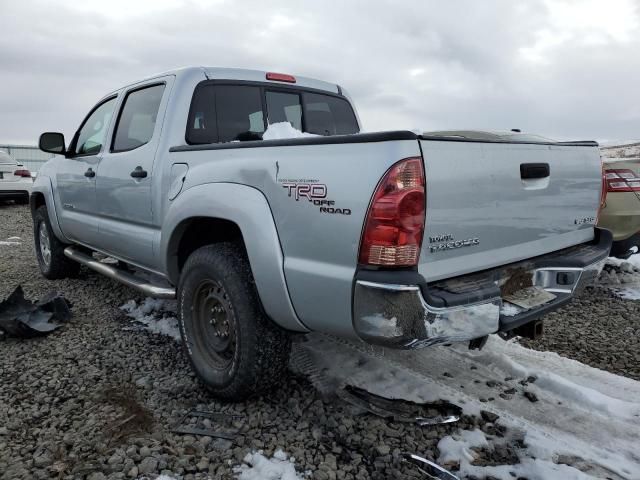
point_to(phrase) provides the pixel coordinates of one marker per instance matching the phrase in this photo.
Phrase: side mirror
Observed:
(52, 142)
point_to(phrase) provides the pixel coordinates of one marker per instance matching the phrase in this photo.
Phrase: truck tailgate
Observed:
(484, 211)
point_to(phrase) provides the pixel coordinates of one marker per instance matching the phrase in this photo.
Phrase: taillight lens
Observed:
(394, 226)
(22, 173)
(621, 180)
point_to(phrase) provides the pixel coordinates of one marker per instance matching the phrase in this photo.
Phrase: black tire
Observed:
(622, 248)
(233, 347)
(54, 264)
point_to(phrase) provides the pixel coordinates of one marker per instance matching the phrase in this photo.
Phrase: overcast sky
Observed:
(564, 69)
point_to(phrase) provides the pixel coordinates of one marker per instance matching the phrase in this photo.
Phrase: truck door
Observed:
(76, 176)
(125, 175)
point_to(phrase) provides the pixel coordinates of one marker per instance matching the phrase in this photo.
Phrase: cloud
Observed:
(560, 68)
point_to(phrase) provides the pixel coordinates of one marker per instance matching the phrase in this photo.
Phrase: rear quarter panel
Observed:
(320, 250)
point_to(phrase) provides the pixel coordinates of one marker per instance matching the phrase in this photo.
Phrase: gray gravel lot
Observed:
(597, 329)
(65, 399)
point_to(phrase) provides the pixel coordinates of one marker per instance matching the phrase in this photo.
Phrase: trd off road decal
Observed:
(314, 192)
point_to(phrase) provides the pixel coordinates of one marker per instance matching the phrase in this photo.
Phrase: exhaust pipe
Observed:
(121, 276)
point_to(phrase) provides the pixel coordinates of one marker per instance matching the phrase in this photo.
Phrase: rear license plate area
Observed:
(529, 297)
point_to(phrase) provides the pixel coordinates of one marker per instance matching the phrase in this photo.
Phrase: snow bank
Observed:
(583, 414)
(282, 130)
(157, 316)
(258, 467)
(622, 277)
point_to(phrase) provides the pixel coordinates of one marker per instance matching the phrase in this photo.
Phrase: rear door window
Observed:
(137, 119)
(284, 107)
(328, 115)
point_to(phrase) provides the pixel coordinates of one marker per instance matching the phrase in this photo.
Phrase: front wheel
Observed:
(49, 250)
(232, 346)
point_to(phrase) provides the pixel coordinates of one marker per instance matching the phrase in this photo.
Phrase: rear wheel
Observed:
(232, 346)
(49, 250)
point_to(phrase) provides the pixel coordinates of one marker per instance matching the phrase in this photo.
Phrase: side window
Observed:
(284, 107)
(93, 131)
(137, 119)
(327, 115)
(239, 113)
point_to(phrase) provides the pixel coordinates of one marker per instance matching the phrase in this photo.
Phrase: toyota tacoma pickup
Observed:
(394, 238)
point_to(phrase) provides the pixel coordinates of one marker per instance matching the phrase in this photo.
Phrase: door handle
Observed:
(139, 172)
(529, 171)
(90, 173)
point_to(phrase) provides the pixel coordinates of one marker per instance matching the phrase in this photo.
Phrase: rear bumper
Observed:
(409, 313)
(18, 188)
(621, 215)
(15, 193)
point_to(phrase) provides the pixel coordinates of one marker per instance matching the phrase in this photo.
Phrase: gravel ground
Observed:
(598, 329)
(96, 400)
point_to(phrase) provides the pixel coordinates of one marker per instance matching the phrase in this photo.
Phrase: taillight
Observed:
(281, 77)
(22, 173)
(394, 226)
(621, 180)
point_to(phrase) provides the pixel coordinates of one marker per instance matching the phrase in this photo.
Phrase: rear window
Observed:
(239, 113)
(227, 113)
(284, 107)
(327, 115)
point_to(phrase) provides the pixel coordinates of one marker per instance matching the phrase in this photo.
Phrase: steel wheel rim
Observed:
(45, 243)
(214, 324)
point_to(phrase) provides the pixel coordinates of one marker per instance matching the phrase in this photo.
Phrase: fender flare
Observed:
(44, 186)
(249, 209)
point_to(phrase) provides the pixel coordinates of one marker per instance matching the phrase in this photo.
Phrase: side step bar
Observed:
(121, 276)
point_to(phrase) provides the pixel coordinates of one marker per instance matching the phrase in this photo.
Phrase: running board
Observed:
(121, 276)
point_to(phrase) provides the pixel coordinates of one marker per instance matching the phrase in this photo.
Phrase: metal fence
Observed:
(30, 157)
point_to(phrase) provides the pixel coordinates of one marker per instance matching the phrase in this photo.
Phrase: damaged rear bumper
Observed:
(409, 313)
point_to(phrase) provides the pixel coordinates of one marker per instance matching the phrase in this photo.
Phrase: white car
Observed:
(15, 180)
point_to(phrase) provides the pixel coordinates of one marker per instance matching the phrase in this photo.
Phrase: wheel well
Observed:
(197, 232)
(36, 200)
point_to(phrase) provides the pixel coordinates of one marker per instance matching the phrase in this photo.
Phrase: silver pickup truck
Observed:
(398, 239)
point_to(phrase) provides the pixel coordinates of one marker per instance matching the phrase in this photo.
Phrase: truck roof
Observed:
(222, 73)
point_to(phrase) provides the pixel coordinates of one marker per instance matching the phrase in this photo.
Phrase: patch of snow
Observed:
(455, 448)
(159, 477)
(157, 316)
(624, 278)
(587, 415)
(628, 293)
(509, 309)
(282, 130)
(256, 466)
(631, 150)
(11, 241)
